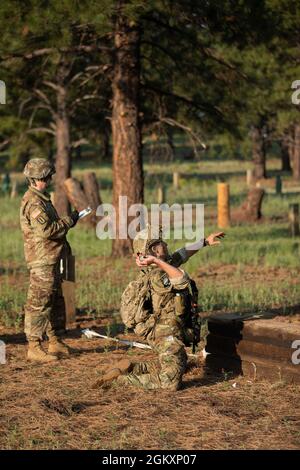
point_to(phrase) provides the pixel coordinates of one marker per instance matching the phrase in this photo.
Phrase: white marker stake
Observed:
(91, 334)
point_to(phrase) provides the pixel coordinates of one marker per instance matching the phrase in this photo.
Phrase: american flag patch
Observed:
(36, 213)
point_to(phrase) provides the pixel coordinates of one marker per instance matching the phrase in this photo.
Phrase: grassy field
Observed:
(256, 269)
(249, 252)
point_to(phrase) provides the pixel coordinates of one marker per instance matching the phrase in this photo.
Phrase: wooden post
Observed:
(14, 189)
(250, 177)
(294, 219)
(278, 185)
(223, 205)
(175, 180)
(161, 195)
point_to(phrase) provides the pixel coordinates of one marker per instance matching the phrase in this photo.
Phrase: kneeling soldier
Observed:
(45, 243)
(162, 308)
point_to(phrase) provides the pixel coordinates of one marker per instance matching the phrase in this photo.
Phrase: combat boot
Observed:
(112, 373)
(57, 347)
(37, 354)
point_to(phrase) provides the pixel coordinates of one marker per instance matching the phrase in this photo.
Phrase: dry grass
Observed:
(56, 406)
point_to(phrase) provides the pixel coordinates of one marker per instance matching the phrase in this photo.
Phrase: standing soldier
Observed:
(45, 244)
(159, 305)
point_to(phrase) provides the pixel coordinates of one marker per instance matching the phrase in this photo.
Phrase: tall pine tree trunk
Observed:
(296, 153)
(105, 142)
(258, 152)
(63, 157)
(126, 133)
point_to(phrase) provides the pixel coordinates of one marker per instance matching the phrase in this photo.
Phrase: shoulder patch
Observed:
(36, 213)
(165, 280)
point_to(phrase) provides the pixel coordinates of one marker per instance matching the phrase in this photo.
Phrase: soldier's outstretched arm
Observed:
(44, 227)
(183, 254)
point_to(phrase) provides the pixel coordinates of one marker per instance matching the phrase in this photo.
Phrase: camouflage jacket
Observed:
(44, 232)
(166, 306)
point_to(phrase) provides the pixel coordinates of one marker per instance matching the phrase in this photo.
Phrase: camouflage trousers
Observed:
(167, 372)
(45, 307)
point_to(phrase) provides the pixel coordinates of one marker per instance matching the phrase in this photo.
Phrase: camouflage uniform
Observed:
(164, 330)
(45, 243)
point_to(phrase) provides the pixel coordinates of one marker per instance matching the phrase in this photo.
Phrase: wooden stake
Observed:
(278, 184)
(161, 195)
(175, 180)
(223, 205)
(250, 177)
(14, 189)
(294, 219)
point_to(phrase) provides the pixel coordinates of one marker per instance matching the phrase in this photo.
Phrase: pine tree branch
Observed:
(188, 101)
(41, 129)
(162, 49)
(49, 50)
(194, 137)
(4, 144)
(77, 101)
(53, 85)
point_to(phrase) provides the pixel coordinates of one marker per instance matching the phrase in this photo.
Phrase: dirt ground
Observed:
(56, 406)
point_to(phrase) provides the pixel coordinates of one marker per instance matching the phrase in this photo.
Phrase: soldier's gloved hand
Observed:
(74, 216)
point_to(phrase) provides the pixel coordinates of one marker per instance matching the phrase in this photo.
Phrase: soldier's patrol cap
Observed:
(38, 168)
(146, 238)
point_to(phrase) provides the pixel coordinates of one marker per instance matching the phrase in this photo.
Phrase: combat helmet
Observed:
(146, 238)
(38, 168)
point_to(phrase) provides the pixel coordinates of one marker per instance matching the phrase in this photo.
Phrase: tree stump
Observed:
(78, 198)
(91, 189)
(92, 192)
(76, 194)
(251, 208)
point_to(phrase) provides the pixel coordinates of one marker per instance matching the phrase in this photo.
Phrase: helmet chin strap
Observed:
(31, 182)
